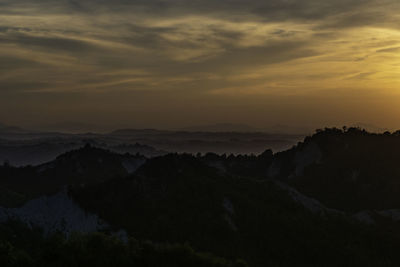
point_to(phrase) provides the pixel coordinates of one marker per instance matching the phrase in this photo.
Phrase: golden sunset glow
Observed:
(123, 63)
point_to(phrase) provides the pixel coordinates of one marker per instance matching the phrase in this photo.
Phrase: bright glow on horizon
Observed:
(307, 62)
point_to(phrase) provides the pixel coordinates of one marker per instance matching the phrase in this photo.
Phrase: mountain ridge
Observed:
(269, 209)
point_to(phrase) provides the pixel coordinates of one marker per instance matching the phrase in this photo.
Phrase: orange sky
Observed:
(176, 63)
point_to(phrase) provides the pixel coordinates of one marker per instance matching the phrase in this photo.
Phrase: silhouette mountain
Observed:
(350, 170)
(221, 127)
(75, 168)
(10, 129)
(180, 198)
(330, 200)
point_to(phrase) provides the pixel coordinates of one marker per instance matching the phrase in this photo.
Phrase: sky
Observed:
(179, 63)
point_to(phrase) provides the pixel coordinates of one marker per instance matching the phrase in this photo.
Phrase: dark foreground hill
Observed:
(177, 198)
(350, 169)
(87, 165)
(21, 246)
(331, 200)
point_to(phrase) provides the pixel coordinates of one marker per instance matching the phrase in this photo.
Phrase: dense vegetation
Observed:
(22, 247)
(357, 170)
(229, 206)
(178, 198)
(87, 165)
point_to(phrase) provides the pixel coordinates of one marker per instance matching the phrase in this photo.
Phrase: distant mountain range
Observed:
(23, 147)
(71, 127)
(221, 127)
(82, 127)
(11, 129)
(331, 200)
(231, 127)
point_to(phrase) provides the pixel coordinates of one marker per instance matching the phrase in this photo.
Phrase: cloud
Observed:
(46, 42)
(389, 50)
(196, 48)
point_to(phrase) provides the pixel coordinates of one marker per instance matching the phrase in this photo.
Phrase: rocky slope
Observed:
(333, 196)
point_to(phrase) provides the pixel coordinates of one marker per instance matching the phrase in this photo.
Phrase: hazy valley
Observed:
(335, 193)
